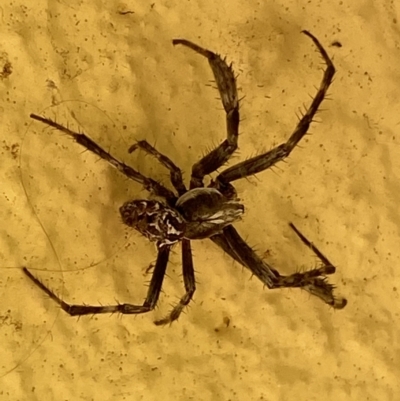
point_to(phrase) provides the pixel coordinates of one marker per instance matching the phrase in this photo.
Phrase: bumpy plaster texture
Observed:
(110, 69)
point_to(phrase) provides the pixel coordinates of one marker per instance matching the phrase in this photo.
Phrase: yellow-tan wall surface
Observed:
(108, 68)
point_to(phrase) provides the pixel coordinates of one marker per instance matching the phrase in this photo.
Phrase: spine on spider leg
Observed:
(304, 123)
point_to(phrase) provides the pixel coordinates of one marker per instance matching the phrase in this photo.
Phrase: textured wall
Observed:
(109, 68)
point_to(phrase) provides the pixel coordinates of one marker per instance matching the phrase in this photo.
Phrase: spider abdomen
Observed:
(154, 220)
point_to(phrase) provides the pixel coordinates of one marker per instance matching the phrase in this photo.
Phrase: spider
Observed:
(205, 212)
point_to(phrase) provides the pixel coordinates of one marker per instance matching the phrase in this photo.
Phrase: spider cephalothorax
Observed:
(207, 212)
(200, 212)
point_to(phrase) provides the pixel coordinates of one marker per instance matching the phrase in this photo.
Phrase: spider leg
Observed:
(150, 302)
(306, 242)
(175, 171)
(190, 285)
(314, 281)
(266, 160)
(148, 183)
(226, 83)
(227, 247)
(316, 290)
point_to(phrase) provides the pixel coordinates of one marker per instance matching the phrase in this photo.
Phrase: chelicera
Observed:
(205, 212)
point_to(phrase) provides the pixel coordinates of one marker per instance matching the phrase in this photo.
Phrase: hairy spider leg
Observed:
(310, 245)
(175, 171)
(266, 160)
(314, 281)
(149, 184)
(226, 83)
(189, 282)
(149, 304)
